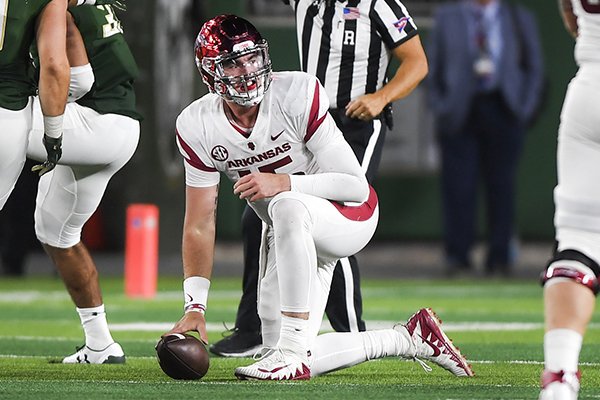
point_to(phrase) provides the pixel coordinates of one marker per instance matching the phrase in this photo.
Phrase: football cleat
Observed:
(431, 343)
(276, 365)
(559, 385)
(112, 354)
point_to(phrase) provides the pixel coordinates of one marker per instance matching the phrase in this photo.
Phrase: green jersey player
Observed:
(20, 23)
(101, 133)
(113, 64)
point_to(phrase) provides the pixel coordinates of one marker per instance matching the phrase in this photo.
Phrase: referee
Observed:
(347, 45)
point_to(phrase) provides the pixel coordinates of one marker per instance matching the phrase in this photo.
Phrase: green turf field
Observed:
(497, 325)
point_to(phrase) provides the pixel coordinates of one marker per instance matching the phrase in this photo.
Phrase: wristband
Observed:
(195, 291)
(53, 126)
(87, 2)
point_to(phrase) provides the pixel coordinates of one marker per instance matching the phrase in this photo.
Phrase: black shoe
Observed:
(238, 344)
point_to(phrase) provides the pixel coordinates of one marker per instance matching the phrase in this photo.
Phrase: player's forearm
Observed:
(568, 16)
(565, 5)
(51, 32)
(341, 177)
(54, 87)
(198, 252)
(76, 52)
(332, 186)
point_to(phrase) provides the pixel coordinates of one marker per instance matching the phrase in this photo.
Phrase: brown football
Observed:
(182, 356)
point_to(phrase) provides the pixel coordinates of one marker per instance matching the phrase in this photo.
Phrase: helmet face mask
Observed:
(242, 76)
(233, 60)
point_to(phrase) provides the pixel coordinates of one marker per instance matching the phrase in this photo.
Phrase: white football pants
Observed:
(298, 254)
(95, 146)
(577, 195)
(13, 136)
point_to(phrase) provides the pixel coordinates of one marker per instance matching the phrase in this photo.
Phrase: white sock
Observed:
(95, 327)
(337, 350)
(388, 342)
(270, 333)
(294, 334)
(561, 350)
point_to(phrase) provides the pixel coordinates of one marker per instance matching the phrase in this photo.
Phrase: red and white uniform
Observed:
(577, 195)
(292, 129)
(295, 135)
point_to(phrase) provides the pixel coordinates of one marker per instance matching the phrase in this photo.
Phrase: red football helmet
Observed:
(233, 59)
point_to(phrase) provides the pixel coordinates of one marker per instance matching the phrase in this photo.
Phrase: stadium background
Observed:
(161, 34)
(499, 325)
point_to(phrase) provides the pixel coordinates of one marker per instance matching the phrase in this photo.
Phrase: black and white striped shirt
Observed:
(348, 44)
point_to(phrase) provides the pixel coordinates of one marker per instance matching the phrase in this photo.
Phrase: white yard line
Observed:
(326, 327)
(524, 362)
(29, 296)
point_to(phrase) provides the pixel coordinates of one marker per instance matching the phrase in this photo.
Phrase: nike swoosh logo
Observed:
(436, 350)
(273, 370)
(190, 298)
(277, 136)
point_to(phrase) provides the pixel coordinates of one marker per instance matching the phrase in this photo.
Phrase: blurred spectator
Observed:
(485, 81)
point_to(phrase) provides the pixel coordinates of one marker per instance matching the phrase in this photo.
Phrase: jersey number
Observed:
(269, 168)
(591, 6)
(113, 25)
(4, 15)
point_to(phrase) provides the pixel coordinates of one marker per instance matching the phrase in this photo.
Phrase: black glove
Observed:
(54, 150)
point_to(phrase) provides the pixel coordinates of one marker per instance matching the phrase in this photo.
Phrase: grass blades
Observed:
(497, 324)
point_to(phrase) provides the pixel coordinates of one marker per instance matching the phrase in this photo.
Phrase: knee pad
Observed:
(289, 215)
(572, 265)
(287, 208)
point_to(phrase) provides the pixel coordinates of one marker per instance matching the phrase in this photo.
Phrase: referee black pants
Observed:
(344, 306)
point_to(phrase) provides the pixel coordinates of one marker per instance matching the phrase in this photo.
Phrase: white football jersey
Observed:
(587, 47)
(292, 124)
